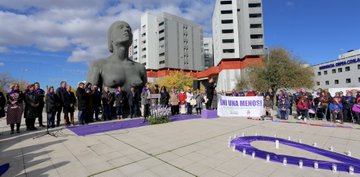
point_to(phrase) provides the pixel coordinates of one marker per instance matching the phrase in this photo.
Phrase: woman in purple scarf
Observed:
(15, 107)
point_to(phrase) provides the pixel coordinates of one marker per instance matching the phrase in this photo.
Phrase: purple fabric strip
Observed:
(119, 125)
(343, 164)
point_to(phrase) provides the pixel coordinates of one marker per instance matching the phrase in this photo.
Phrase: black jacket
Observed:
(82, 99)
(120, 98)
(133, 98)
(52, 103)
(107, 98)
(31, 105)
(2, 105)
(40, 94)
(210, 88)
(164, 98)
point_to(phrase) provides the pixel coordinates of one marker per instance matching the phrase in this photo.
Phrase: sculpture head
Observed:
(119, 34)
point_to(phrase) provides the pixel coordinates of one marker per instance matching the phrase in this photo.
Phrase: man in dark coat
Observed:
(60, 92)
(107, 101)
(97, 101)
(82, 102)
(52, 104)
(120, 97)
(40, 94)
(210, 88)
(133, 100)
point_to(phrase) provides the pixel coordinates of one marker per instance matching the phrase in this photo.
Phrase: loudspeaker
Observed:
(196, 85)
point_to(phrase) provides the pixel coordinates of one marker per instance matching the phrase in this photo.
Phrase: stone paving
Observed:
(196, 147)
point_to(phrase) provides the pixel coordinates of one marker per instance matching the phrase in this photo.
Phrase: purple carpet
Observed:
(119, 125)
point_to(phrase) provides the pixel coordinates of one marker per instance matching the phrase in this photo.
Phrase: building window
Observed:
(161, 31)
(358, 66)
(325, 72)
(144, 49)
(228, 41)
(327, 83)
(144, 41)
(359, 79)
(144, 56)
(143, 34)
(256, 36)
(225, 31)
(347, 68)
(333, 71)
(225, 2)
(162, 62)
(257, 46)
(226, 12)
(254, 15)
(317, 83)
(255, 25)
(161, 39)
(336, 82)
(339, 70)
(206, 45)
(135, 47)
(162, 54)
(253, 5)
(226, 21)
(348, 80)
(228, 51)
(161, 23)
(135, 58)
(319, 73)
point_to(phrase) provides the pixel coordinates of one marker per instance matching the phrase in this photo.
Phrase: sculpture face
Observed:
(120, 34)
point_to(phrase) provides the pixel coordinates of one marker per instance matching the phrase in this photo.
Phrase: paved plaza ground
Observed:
(197, 147)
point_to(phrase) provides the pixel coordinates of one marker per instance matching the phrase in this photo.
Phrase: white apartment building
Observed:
(208, 52)
(168, 41)
(238, 34)
(341, 73)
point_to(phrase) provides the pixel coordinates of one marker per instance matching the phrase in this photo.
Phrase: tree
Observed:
(180, 80)
(5, 81)
(280, 70)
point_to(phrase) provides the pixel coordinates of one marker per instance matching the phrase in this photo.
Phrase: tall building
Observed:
(208, 53)
(340, 73)
(237, 35)
(168, 41)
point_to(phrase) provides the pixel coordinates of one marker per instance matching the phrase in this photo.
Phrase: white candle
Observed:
(351, 170)
(289, 138)
(349, 153)
(243, 134)
(300, 141)
(275, 136)
(256, 134)
(285, 161)
(316, 165)
(267, 158)
(244, 151)
(315, 144)
(331, 149)
(253, 155)
(276, 144)
(235, 136)
(300, 163)
(334, 168)
(234, 148)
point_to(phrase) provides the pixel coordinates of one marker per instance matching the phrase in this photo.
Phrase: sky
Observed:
(50, 41)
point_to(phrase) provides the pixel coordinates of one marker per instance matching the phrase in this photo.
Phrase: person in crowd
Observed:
(15, 99)
(120, 98)
(174, 101)
(89, 115)
(164, 97)
(66, 103)
(310, 102)
(97, 101)
(250, 93)
(234, 93)
(189, 97)
(133, 101)
(210, 87)
(31, 107)
(269, 105)
(82, 102)
(324, 100)
(182, 100)
(336, 110)
(348, 102)
(156, 89)
(40, 94)
(60, 92)
(145, 102)
(214, 100)
(270, 93)
(52, 103)
(2, 104)
(199, 101)
(356, 109)
(303, 108)
(241, 93)
(70, 108)
(283, 108)
(291, 102)
(107, 100)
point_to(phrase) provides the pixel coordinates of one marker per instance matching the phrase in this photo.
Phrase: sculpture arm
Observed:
(94, 74)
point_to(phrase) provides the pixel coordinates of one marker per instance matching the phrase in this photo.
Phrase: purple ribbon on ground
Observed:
(343, 164)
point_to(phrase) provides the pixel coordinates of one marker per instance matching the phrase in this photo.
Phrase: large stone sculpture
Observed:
(117, 70)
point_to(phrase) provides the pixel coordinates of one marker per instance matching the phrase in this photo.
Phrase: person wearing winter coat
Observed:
(82, 102)
(303, 108)
(336, 110)
(348, 103)
(164, 97)
(2, 104)
(145, 102)
(269, 105)
(40, 94)
(107, 101)
(189, 107)
(52, 103)
(283, 108)
(199, 101)
(15, 99)
(31, 107)
(174, 101)
(120, 98)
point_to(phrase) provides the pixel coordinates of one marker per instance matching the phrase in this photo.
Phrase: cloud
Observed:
(290, 3)
(2, 64)
(80, 27)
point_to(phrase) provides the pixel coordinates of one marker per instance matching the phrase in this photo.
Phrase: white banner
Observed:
(252, 106)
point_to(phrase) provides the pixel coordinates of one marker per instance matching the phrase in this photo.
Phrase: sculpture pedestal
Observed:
(209, 114)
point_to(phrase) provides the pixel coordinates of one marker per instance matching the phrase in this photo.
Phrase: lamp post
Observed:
(267, 49)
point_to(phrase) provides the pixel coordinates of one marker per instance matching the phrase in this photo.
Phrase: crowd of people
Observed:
(91, 102)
